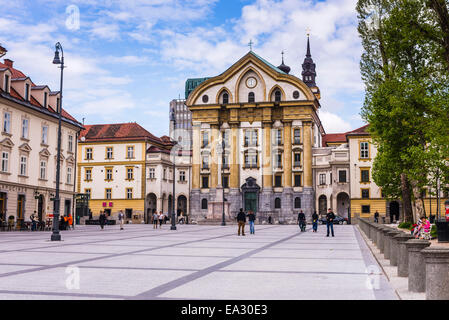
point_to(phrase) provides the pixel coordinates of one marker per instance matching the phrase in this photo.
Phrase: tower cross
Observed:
(250, 44)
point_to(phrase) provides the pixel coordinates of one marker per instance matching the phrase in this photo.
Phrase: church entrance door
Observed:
(251, 201)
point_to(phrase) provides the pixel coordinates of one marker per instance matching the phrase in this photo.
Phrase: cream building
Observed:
(123, 167)
(28, 143)
(269, 123)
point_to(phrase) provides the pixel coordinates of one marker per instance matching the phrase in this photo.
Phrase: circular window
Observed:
(296, 94)
(205, 98)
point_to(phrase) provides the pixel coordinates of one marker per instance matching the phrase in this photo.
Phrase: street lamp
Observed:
(223, 146)
(56, 236)
(173, 222)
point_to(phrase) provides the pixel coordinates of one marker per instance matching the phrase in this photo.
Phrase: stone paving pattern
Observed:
(194, 262)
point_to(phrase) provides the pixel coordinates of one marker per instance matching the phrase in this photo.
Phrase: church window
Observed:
(278, 137)
(297, 202)
(297, 159)
(205, 98)
(322, 179)
(295, 94)
(225, 98)
(297, 180)
(251, 97)
(297, 136)
(277, 96)
(205, 182)
(204, 204)
(277, 203)
(278, 181)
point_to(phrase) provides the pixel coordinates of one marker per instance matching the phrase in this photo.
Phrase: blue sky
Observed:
(128, 59)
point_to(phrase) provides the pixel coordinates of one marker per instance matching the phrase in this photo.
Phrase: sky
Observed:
(126, 60)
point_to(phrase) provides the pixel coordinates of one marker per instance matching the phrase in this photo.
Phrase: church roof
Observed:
(267, 63)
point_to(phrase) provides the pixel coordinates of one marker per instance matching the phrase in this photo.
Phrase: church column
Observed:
(267, 157)
(215, 135)
(196, 156)
(234, 178)
(308, 182)
(287, 154)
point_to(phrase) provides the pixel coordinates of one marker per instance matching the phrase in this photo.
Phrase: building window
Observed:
(43, 170)
(366, 209)
(225, 98)
(322, 179)
(88, 192)
(6, 83)
(109, 153)
(130, 152)
(152, 173)
(277, 96)
(89, 154)
(297, 180)
(277, 203)
(251, 138)
(365, 193)
(297, 202)
(5, 159)
(278, 137)
(205, 139)
(204, 204)
(108, 192)
(278, 181)
(225, 182)
(129, 193)
(297, 136)
(364, 150)
(182, 176)
(88, 175)
(129, 173)
(251, 97)
(23, 166)
(205, 98)
(364, 174)
(342, 176)
(205, 162)
(25, 124)
(165, 174)
(27, 92)
(45, 99)
(225, 162)
(108, 174)
(69, 175)
(44, 135)
(226, 138)
(70, 143)
(295, 94)
(205, 182)
(251, 160)
(297, 159)
(278, 161)
(7, 122)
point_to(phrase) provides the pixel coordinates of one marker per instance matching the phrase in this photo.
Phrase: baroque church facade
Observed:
(253, 130)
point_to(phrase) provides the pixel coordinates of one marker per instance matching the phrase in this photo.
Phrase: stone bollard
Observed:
(394, 252)
(383, 231)
(416, 265)
(437, 273)
(387, 242)
(403, 254)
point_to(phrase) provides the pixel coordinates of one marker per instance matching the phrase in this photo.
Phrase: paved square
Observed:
(194, 262)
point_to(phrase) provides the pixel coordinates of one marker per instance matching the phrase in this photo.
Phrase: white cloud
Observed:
(333, 123)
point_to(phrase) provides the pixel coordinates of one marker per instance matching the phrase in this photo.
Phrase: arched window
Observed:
(204, 204)
(277, 203)
(225, 98)
(277, 96)
(297, 202)
(251, 97)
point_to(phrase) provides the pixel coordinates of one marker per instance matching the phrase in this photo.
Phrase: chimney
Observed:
(9, 63)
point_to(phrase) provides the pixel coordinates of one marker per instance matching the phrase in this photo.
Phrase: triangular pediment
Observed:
(7, 143)
(25, 147)
(71, 159)
(45, 153)
(62, 158)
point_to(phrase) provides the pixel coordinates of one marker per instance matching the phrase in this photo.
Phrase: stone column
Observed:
(388, 241)
(234, 197)
(437, 273)
(380, 240)
(307, 142)
(215, 137)
(394, 249)
(384, 240)
(416, 265)
(403, 255)
(287, 154)
(196, 156)
(267, 169)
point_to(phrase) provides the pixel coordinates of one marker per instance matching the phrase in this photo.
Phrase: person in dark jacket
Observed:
(102, 219)
(241, 220)
(376, 217)
(301, 220)
(251, 219)
(330, 222)
(315, 221)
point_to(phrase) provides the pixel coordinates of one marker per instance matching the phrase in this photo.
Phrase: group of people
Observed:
(158, 218)
(330, 216)
(241, 220)
(422, 228)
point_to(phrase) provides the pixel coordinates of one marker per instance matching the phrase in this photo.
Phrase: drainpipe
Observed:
(74, 182)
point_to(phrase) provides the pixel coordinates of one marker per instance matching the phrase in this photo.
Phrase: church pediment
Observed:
(70, 159)
(45, 153)
(7, 143)
(62, 158)
(25, 147)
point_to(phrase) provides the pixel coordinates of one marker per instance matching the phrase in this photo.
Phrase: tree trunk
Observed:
(406, 199)
(419, 202)
(441, 10)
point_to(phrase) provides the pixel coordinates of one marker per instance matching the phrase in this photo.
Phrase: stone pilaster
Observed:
(288, 154)
(196, 156)
(307, 142)
(215, 137)
(234, 178)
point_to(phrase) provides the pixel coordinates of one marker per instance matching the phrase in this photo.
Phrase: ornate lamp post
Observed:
(56, 236)
(173, 217)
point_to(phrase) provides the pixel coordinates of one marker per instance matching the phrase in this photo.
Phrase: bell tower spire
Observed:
(308, 67)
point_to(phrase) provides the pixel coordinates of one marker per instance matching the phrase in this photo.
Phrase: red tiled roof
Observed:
(14, 72)
(117, 132)
(343, 137)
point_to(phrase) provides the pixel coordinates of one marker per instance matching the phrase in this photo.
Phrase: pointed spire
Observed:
(308, 67)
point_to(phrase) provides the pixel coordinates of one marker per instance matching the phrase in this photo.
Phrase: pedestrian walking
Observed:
(161, 219)
(155, 219)
(121, 219)
(330, 222)
(33, 221)
(376, 217)
(302, 221)
(315, 221)
(251, 219)
(241, 220)
(270, 220)
(102, 219)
